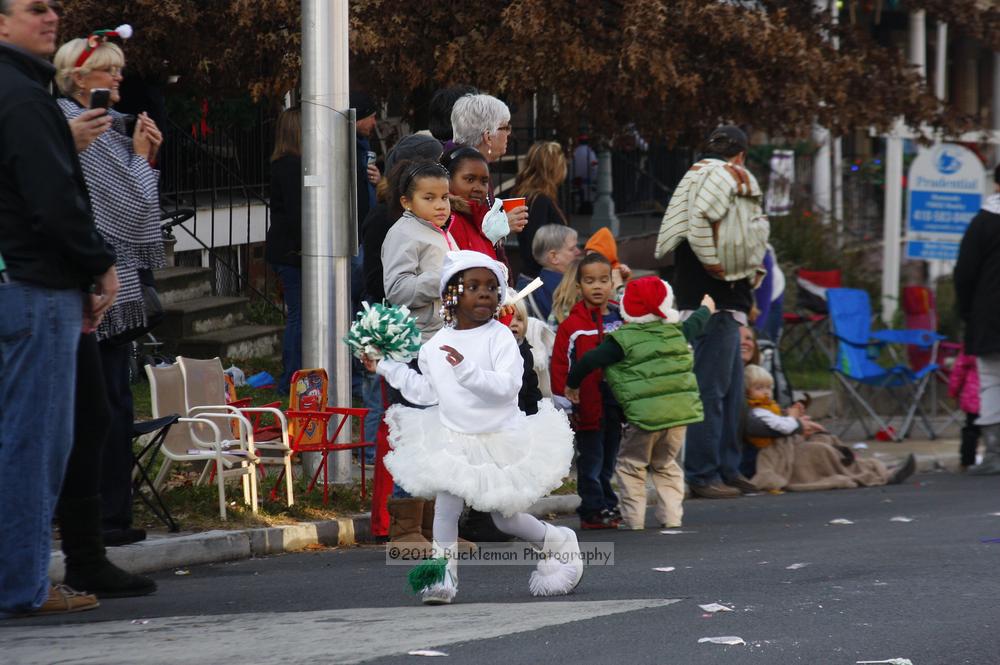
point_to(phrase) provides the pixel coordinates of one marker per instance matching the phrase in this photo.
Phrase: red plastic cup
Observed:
(510, 204)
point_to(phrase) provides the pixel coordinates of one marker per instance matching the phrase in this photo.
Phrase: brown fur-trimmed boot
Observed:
(405, 517)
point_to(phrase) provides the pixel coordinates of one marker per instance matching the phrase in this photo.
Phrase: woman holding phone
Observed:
(96, 502)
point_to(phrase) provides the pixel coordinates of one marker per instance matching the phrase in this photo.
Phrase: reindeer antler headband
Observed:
(98, 37)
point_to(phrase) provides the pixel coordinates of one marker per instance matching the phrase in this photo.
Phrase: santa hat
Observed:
(464, 259)
(98, 37)
(649, 299)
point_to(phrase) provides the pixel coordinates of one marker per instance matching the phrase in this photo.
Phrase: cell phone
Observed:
(130, 122)
(100, 98)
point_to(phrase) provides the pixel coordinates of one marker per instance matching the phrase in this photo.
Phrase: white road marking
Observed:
(326, 636)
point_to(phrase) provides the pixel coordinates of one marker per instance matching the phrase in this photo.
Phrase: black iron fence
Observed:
(223, 174)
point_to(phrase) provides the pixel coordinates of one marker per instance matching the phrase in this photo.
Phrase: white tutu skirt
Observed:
(503, 471)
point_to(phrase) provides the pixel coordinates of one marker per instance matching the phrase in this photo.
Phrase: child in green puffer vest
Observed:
(648, 365)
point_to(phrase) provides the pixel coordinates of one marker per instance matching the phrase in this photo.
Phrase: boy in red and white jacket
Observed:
(597, 419)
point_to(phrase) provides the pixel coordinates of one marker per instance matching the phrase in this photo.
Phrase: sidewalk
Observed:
(166, 551)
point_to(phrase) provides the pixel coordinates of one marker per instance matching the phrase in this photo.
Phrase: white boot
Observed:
(561, 569)
(443, 587)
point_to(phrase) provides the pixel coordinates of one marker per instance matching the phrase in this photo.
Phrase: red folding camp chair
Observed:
(314, 427)
(920, 312)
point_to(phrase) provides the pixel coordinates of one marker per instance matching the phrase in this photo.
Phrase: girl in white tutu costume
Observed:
(474, 445)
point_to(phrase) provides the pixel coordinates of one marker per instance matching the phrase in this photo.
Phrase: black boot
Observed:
(970, 441)
(904, 470)
(87, 567)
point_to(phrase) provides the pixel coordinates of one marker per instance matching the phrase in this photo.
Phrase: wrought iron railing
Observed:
(223, 174)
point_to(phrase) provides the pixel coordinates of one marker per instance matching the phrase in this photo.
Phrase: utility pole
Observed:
(328, 218)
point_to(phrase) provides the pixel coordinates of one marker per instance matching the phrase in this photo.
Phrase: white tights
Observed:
(448, 509)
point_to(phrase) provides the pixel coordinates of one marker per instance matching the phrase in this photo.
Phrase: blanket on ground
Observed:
(802, 465)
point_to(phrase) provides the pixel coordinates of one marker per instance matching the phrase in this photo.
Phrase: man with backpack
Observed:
(718, 233)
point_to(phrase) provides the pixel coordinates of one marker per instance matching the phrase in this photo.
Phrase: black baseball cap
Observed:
(731, 132)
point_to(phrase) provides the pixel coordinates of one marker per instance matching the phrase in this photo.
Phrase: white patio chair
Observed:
(182, 444)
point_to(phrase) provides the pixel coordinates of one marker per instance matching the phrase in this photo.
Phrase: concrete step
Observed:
(180, 283)
(244, 341)
(201, 315)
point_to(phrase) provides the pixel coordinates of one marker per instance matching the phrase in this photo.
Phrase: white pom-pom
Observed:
(124, 31)
(552, 578)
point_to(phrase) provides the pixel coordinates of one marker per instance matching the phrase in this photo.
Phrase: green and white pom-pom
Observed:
(384, 331)
(427, 573)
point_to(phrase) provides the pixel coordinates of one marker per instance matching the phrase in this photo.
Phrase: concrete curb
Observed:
(216, 546)
(164, 553)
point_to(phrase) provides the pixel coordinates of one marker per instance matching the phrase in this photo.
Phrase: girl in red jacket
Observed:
(469, 186)
(597, 419)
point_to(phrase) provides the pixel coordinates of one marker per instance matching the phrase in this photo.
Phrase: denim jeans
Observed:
(595, 463)
(371, 391)
(713, 447)
(39, 333)
(291, 343)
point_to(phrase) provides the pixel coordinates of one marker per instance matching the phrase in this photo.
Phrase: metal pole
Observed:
(892, 222)
(821, 176)
(838, 154)
(936, 269)
(892, 230)
(941, 62)
(328, 227)
(918, 40)
(604, 205)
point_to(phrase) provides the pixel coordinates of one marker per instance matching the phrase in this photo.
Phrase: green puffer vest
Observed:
(655, 383)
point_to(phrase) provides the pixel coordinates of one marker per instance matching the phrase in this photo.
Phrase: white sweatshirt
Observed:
(783, 424)
(480, 393)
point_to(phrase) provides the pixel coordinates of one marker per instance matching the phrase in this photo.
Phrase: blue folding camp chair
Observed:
(855, 364)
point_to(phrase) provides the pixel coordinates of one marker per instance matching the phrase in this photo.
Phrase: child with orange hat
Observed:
(603, 243)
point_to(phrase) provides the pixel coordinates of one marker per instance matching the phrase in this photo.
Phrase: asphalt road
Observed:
(926, 590)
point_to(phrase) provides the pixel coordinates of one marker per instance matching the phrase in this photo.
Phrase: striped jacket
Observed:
(717, 209)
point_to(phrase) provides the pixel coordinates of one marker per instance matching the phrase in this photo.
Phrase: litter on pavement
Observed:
(796, 566)
(425, 652)
(665, 569)
(841, 520)
(715, 607)
(891, 661)
(900, 518)
(725, 639)
(182, 572)
(674, 532)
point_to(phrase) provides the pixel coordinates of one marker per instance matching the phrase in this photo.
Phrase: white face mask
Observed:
(495, 225)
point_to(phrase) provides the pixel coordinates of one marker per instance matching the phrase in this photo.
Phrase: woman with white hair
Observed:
(483, 122)
(123, 185)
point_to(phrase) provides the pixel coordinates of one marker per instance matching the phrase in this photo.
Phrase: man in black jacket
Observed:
(977, 289)
(53, 254)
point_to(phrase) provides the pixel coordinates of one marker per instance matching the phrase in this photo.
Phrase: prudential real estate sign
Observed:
(945, 191)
